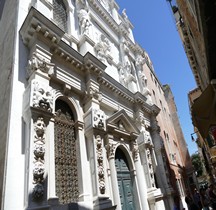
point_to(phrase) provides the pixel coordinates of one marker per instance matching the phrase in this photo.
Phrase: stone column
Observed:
(140, 176)
(82, 162)
(111, 157)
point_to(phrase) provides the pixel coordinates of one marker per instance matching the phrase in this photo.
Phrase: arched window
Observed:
(66, 173)
(60, 14)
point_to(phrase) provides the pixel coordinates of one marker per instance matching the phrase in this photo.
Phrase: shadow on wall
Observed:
(37, 199)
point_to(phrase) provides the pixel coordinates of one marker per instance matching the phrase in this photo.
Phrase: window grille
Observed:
(60, 14)
(66, 171)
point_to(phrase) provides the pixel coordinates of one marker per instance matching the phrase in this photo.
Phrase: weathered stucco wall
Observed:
(7, 42)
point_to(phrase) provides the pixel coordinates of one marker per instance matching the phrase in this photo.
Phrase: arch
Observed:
(77, 111)
(65, 144)
(127, 154)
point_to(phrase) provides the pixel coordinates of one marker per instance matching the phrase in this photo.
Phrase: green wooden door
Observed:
(124, 181)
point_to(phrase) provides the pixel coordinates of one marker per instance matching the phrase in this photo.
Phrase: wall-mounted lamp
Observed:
(192, 138)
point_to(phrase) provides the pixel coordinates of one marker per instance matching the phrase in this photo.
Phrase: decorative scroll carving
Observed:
(103, 48)
(150, 166)
(42, 97)
(39, 63)
(39, 152)
(135, 150)
(101, 176)
(98, 119)
(67, 188)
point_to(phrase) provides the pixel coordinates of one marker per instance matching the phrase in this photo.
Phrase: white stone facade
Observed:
(78, 98)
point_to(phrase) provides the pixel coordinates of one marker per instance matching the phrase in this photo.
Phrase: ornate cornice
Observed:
(104, 14)
(117, 90)
(37, 23)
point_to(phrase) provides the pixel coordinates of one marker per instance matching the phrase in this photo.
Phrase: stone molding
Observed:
(39, 153)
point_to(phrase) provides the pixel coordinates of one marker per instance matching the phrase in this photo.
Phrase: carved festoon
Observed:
(39, 153)
(42, 97)
(101, 175)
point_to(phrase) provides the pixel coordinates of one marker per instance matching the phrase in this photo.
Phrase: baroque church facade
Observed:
(80, 128)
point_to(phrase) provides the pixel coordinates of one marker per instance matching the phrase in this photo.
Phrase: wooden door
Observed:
(124, 181)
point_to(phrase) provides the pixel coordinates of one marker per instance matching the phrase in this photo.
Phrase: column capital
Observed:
(110, 147)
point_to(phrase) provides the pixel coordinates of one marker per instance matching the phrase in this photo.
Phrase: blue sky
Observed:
(155, 30)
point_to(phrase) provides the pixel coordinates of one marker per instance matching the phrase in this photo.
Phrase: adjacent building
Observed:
(85, 123)
(196, 25)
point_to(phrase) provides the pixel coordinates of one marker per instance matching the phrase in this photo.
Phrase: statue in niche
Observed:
(103, 48)
(139, 64)
(140, 60)
(98, 119)
(130, 79)
(122, 76)
(124, 15)
(143, 79)
(125, 46)
(84, 20)
(42, 97)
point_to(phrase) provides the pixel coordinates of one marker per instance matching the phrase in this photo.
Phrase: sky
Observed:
(155, 31)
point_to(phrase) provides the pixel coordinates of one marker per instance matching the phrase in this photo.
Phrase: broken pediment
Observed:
(121, 124)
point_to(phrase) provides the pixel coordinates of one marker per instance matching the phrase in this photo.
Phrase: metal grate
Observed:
(66, 172)
(60, 14)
